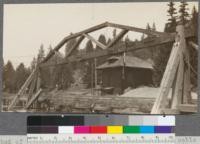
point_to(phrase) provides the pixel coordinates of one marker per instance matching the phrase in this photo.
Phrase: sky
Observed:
(27, 26)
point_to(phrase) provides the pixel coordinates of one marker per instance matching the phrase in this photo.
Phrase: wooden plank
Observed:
(140, 30)
(95, 41)
(190, 108)
(60, 44)
(103, 25)
(187, 83)
(170, 111)
(178, 95)
(23, 89)
(112, 51)
(32, 86)
(117, 38)
(169, 75)
(195, 46)
(167, 81)
(38, 85)
(178, 89)
(69, 52)
(33, 98)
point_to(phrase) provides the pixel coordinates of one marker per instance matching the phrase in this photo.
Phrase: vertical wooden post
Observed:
(178, 89)
(169, 74)
(38, 80)
(32, 87)
(178, 94)
(92, 80)
(95, 73)
(187, 91)
(22, 90)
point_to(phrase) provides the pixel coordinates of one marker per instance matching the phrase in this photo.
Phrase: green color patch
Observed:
(131, 129)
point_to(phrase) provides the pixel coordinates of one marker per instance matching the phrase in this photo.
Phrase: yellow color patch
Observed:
(114, 129)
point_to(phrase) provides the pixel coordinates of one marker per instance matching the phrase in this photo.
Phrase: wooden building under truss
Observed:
(121, 72)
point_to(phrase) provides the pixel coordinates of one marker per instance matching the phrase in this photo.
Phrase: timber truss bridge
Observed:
(176, 76)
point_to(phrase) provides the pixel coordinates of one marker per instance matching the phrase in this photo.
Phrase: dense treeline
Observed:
(181, 16)
(65, 76)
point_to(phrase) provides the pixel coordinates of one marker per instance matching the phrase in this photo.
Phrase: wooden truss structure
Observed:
(176, 77)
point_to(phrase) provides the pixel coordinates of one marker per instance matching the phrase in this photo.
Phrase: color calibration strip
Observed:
(100, 129)
(98, 120)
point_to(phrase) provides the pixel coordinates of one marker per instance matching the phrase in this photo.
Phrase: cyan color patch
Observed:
(147, 129)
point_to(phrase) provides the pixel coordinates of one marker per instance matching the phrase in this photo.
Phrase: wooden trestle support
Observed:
(176, 75)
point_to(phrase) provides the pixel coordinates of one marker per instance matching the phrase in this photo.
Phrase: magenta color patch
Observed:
(81, 129)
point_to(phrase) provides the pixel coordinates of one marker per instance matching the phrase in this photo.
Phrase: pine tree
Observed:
(162, 53)
(148, 27)
(89, 46)
(50, 49)
(114, 33)
(69, 45)
(142, 37)
(8, 77)
(153, 27)
(33, 63)
(194, 20)
(21, 75)
(127, 39)
(183, 10)
(41, 54)
(101, 39)
(172, 13)
(89, 66)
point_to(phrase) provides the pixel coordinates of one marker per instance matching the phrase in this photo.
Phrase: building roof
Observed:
(130, 61)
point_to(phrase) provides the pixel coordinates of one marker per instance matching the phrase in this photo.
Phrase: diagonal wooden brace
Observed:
(23, 89)
(169, 73)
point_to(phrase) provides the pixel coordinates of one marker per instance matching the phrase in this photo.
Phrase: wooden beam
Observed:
(33, 98)
(112, 51)
(169, 74)
(178, 89)
(195, 46)
(186, 79)
(170, 111)
(179, 86)
(95, 41)
(22, 90)
(38, 84)
(69, 52)
(103, 25)
(190, 108)
(32, 87)
(140, 30)
(117, 38)
(60, 44)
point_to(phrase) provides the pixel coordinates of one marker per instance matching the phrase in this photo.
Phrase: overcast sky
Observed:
(27, 26)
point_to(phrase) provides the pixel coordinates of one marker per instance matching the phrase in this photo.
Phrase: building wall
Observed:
(112, 77)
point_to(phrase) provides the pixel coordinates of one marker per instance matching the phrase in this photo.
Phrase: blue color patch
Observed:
(146, 129)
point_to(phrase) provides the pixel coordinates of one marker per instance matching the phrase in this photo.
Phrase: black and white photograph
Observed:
(101, 58)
